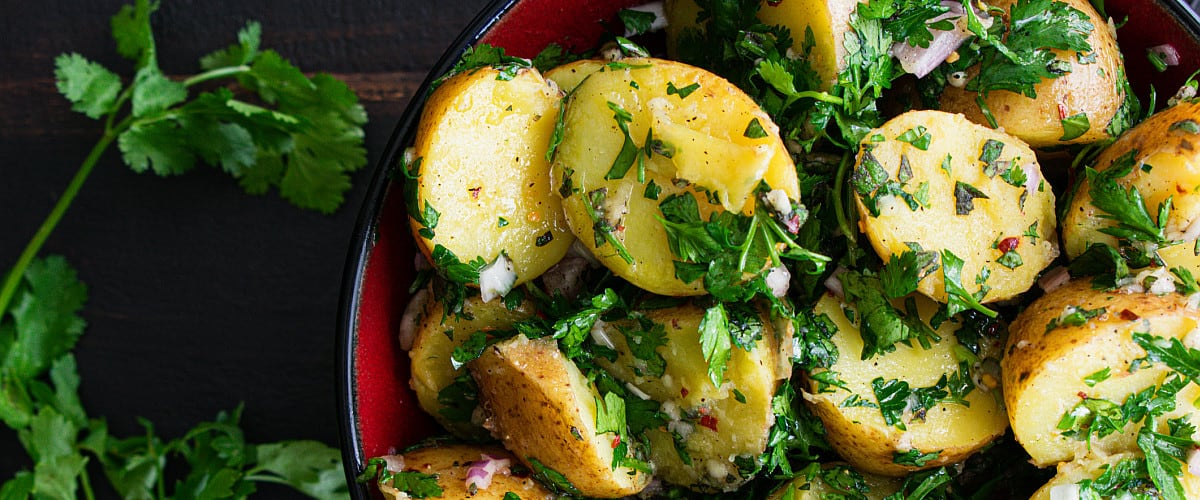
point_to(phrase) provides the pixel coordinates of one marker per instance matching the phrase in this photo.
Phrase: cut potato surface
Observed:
(1065, 482)
(570, 75)
(482, 187)
(940, 182)
(833, 481)
(829, 21)
(451, 465)
(1077, 342)
(436, 337)
(715, 425)
(1093, 87)
(542, 408)
(1163, 161)
(855, 423)
(711, 141)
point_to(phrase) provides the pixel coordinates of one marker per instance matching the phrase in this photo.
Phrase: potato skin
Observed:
(711, 150)
(436, 338)
(813, 486)
(482, 146)
(1021, 214)
(541, 407)
(687, 394)
(861, 436)
(1166, 164)
(1092, 466)
(1095, 89)
(451, 462)
(1044, 369)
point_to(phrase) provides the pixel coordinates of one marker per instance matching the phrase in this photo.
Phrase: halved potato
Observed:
(836, 480)
(437, 336)
(450, 465)
(944, 183)
(1165, 164)
(855, 424)
(542, 408)
(1075, 333)
(829, 21)
(570, 75)
(1094, 87)
(1070, 474)
(713, 140)
(483, 187)
(715, 425)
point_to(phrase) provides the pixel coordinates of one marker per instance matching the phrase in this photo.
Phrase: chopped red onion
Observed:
(779, 280)
(834, 285)
(1054, 278)
(1193, 461)
(921, 61)
(1169, 55)
(1033, 176)
(480, 473)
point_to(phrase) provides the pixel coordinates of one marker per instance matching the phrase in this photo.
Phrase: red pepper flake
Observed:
(1128, 315)
(1082, 395)
(475, 192)
(1062, 111)
(616, 441)
(793, 224)
(709, 421)
(683, 392)
(1009, 244)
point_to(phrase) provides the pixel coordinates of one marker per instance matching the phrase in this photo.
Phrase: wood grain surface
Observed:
(200, 297)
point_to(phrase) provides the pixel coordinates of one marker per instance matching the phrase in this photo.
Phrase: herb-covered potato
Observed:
(909, 409)
(544, 410)
(1126, 472)
(1160, 160)
(640, 131)
(928, 181)
(434, 369)
(829, 21)
(1085, 103)
(660, 354)
(570, 75)
(836, 480)
(458, 471)
(481, 188)
(1071, 362)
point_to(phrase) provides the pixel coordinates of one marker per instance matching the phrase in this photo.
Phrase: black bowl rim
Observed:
(366, 225)
(363, 239)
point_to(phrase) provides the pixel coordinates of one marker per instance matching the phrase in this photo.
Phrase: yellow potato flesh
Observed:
(707, 130)
(435, 341)
(482, 145)
(829, 21)
(861, 435)
(451, 463)
(975, 236)
(1093, 466)
(816, 488)
(1166, 165)
(1044, 371)
(570, 75)
(1089, 88)
(542, 407)
(687, 394)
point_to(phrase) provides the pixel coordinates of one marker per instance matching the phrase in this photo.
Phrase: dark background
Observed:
(201, 297)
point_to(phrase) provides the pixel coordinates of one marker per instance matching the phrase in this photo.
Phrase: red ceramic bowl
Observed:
(380, 413)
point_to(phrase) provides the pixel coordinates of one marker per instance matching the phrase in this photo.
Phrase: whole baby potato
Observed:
(1094, 86)
(1160, 159)
(450, 464)
(836, 480)
(1075, 344)
(481, 186)
(1065, 483)
(854, 419)
(936, 182)
(710, 141)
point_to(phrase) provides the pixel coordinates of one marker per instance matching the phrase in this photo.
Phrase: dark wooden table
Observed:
(200, 297)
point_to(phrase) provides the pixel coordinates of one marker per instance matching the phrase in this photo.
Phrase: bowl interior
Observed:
(380, 413)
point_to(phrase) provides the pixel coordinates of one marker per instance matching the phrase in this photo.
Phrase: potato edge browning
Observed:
(450, 463)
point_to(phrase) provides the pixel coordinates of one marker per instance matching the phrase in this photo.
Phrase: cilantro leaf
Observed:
(958, 298)
(91, 88)
(45, 317)
(903, 273)
(310, 467)
(715, 342)
(1125, 206)
(153, 92)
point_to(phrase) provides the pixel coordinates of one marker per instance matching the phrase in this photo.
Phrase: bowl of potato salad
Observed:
(786, 249)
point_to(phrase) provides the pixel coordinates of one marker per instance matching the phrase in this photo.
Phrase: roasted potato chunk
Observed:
(1159, 158)
(1076, 344)
(829, 21)
(543, 409)
(1065, 483)
(660, 354)
(894, 436)
(1094, 86)
(630, 142)
(450, 465)
(836, 480)
(937, 182)
(433, 370)
(482, 187)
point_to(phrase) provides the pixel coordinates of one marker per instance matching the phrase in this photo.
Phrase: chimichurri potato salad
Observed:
(807, 249)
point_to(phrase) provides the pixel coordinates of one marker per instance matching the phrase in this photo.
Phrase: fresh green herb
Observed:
(643, 344)
(958, 298)
(1189, 126)
(414, 484)
(637, 22)
(1092, 417)
(715, 342)
(1026, 56)
(631, 49)
(914, 457)
(1157, 59)
(964, 197)
(469, 350)
(904, 273)
(989, 156)
(501, 222)
(1075, 126)
(754, 130)
(1015, 176)
(1097, 377)
(796, 436)
(1032, 232)
(1074, 316)
(1171, 352)
(1125, 207)
(552, 479)
(682, 92)
(1010, 259)
(602, 229)
(629, 151)
(487, 56)
(544, 239)
(918, 137)
(652, 190)
(882, 325)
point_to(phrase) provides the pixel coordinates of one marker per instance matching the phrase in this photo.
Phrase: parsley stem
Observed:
(821, 96)
(86, 483)
(839, 204)
(746, 244)
(39, 238)
(216, 73)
